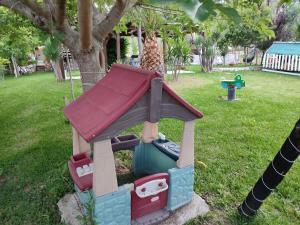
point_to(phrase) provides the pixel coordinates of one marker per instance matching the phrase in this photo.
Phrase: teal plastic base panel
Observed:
(150, 160)
(181, 187)
(85, 197)
(113, 208)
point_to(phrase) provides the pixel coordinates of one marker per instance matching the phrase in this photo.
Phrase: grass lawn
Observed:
(235, 141)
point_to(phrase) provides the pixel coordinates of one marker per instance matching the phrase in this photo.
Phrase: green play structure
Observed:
(232, 85)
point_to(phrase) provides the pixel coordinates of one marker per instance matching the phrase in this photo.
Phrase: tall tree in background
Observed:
(96, 20)
(95, 23)
(18, 37)
(152, 58)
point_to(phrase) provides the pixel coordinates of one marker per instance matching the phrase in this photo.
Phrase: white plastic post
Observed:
(296, 62)
(292, 63)
(186, 155)
(276, 61)
(270, 61)
(284, 62)
(273, 61)
(75, 139)
(79, 144)
(104, 176)
(267, 61)
(150, 132)
(289, 63)
(83, 145)
(279, 62)
(264, 60)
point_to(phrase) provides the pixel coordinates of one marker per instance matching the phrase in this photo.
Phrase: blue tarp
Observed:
(285, 48)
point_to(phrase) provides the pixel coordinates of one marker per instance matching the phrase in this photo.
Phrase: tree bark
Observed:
(165, 54)
(15, 66)
(118, 46)
(62, 69)
(85, 24)
(57, 70)
(94, 28)
(89, 67)
(140, 42)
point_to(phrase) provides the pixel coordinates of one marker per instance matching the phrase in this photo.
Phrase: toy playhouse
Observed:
(125, 97)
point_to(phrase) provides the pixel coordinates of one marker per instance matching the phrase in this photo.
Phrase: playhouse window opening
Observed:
(172, 129)
(123, 160)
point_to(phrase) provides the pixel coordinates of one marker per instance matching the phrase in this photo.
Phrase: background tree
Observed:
(223, 47)
(95, 21)
(52, 52)
(179, 49)
(254, 28)
(18, 38)
(285, 23)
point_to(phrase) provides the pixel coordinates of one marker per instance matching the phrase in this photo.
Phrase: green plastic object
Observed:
(237, 82)
(148, 159)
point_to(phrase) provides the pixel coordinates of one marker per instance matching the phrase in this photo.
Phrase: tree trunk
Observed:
(89, 67)
(15, 66)
(57, 70)
(204, 60)
(118, 47)
(262, 58)
(85, 23)
(165, 53)
(62, 69)
(140, 42)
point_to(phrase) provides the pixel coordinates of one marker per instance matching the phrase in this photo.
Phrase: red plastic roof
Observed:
(112, 97)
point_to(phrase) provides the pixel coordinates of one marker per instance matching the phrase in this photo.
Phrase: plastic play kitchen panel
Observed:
(149, 195)
(81, 168)
(168, 147)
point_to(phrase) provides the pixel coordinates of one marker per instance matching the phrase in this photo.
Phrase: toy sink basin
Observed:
(237, 82)
(168, 147)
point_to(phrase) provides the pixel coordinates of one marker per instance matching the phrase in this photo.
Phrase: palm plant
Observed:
(205, 48)
(178, 54)
(52, 52)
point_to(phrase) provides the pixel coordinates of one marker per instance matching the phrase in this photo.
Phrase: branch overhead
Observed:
(33, 14)
(60, 11)
(103, 28)
(34, 6)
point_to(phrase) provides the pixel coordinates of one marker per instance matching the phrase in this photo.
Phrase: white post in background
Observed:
(270, 61)
(267, 61)
(296, 62)
(279, 62)
(292, 64)
(276, 62)
(289, 63)
(273, 61)
(264, 60)
(284, 62)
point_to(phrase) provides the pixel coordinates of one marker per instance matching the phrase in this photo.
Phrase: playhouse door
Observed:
(150, 194)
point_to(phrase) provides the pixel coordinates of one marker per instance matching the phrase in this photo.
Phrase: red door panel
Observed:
(150, 194)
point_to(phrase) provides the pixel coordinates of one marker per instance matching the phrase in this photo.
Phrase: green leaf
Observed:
(231, 13)
(202, 14)
(281, 2)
